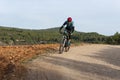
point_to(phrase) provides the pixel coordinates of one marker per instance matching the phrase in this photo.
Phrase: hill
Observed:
(16, 36)
(26, 36)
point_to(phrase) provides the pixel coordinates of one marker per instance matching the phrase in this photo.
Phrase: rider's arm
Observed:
(73, 28)
(62, 26)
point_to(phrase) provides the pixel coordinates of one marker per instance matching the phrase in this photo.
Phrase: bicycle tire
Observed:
(62, 46)
(67, 48)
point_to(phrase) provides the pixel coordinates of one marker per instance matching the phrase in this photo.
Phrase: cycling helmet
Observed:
(69, 19)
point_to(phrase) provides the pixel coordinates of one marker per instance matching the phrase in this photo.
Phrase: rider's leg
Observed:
(69, 40)
(67, 45)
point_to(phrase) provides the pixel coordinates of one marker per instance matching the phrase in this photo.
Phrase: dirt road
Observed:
(86, 62)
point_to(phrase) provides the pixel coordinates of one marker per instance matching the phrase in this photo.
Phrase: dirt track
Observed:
(86, 62)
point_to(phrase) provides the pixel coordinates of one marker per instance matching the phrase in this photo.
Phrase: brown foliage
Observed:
(12, 56)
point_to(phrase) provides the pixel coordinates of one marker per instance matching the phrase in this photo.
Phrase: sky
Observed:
(101, 16)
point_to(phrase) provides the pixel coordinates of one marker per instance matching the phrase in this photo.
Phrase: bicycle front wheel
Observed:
(62, 46)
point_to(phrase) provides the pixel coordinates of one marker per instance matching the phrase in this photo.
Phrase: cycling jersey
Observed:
(69, 26)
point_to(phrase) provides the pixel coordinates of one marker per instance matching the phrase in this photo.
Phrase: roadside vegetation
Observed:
(15, 36)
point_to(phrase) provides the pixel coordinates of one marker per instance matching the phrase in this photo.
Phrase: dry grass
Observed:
(12, 56)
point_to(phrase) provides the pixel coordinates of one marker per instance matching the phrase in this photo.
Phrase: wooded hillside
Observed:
(16, 36)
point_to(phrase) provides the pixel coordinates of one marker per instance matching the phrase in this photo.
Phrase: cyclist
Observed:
(69, 29)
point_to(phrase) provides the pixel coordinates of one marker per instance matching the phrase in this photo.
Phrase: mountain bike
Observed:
(64, 44)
